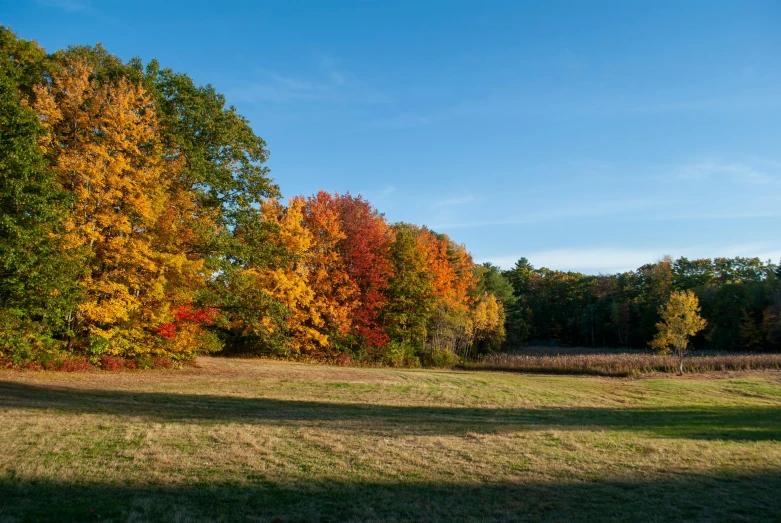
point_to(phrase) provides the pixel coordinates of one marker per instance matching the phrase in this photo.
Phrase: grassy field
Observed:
(243, 440)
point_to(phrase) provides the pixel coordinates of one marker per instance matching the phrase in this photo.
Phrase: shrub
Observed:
(442, 358)
(162, 363)
(344, 360)
(144, 362)
(74, 364)
(400, 355)
(111, 363)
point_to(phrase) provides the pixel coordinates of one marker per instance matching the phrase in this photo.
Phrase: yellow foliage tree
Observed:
(104, 146)
(487, 317)
(289, 283)
(680, 320)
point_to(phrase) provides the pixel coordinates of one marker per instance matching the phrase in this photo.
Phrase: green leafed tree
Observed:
(37, 274)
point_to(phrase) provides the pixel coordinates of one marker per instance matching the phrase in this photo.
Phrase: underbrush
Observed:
(622, 364)
(75, 363)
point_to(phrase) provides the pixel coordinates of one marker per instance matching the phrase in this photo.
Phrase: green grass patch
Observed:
(238, 440)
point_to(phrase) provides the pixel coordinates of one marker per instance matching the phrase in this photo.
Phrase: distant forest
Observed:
(740, 299)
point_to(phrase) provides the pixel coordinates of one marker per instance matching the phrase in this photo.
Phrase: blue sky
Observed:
(592, 136)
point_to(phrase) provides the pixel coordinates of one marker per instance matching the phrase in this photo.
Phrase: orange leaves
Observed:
(334, 291)
(451, 266)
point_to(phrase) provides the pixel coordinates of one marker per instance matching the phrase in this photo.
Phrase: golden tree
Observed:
(680, 320)
(288, 283)
(105, 149)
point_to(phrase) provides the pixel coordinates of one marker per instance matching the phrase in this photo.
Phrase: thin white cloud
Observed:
(607, 260)
(328, 85)
(390, 189)
(593, 210)
(505, 101)
(736, 102)
(378, 194)
(738, 171)
(451, 202)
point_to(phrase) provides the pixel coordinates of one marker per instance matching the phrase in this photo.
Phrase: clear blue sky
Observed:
(590, 136)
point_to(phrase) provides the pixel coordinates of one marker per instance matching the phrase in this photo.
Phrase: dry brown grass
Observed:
(619, 364)
(255, 440)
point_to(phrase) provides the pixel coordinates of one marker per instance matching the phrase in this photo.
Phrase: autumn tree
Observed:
(335, 293)
(288, 283)
(487, 319)
(452, 269)
(104, 148)
(680, 320)
(365, 249)
(220, 186)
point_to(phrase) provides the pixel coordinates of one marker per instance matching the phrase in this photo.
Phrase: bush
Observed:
(21, 343)
(162, 363)
(344, 360)
(400, 355)
(111, 363)
(74, 364)
(442, 358)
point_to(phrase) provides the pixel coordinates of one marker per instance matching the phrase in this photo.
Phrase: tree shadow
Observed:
(746, 497)
(755, 423)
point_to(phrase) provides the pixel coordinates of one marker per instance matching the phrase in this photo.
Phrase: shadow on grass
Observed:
(727, 423)
(682, 497)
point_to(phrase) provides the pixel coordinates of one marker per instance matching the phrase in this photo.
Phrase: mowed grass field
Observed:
(247, 440)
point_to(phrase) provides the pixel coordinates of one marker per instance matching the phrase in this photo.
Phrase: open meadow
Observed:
(254, 440)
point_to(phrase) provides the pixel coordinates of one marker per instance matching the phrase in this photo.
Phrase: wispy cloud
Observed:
(593, 210)
(737, 102)
(390, 189)
(451, 202)
(325, 84)
(511, 101)
(377, 193)
(738, 171)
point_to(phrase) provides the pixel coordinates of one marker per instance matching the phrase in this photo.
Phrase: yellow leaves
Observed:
(105, 148)
(289, 284)
(680, 320)
(487, 316)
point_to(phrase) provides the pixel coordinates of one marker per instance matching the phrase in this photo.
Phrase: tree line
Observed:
(138, 220)
(740, 300)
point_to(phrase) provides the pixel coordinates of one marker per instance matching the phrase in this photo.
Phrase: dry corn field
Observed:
(250, 440)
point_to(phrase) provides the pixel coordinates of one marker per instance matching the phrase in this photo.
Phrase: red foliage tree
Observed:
(366, 251)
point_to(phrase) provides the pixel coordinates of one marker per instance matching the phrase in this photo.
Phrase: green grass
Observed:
(242, 440)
